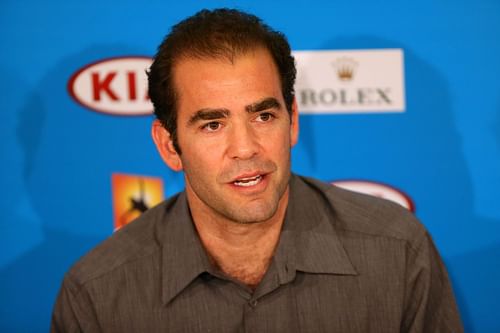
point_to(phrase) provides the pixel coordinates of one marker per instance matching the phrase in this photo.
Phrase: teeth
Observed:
(251, 181)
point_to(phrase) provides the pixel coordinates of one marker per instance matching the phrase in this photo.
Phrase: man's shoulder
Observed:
(135, 241)
(367, 215)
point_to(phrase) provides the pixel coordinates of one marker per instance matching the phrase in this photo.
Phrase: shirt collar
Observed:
(183, 255)
(308, 241)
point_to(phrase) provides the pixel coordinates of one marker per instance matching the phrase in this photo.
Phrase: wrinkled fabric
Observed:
(345, 262)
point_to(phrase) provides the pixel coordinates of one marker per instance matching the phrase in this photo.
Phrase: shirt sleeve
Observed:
(73, 311)
(429, 302)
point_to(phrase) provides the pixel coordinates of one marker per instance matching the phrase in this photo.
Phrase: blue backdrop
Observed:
(57, 157)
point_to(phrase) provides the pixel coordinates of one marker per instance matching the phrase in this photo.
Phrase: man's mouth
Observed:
(248, 181)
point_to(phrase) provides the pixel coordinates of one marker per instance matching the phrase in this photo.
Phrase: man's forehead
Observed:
(196, 78)
(225, 53)
(206, 61)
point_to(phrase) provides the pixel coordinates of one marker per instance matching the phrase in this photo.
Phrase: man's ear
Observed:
(165, 146)
(294, 125)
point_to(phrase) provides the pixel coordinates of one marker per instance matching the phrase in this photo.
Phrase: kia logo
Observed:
(378, 190)
(115, 86)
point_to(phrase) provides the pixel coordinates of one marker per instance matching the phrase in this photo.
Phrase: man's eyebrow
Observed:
(265, 104)
(208, 114)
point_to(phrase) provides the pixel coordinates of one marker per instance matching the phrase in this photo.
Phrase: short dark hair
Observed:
(219, 33)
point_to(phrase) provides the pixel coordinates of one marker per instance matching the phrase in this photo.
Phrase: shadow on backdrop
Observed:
(66, 155)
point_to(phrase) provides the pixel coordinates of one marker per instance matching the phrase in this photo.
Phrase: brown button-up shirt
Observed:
(345, 262)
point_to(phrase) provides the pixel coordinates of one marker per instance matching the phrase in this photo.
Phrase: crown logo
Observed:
(346, 68)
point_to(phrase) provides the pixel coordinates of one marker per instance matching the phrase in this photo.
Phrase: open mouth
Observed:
(248, 181)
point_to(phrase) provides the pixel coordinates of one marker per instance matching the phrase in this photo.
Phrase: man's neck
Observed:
(242, 251)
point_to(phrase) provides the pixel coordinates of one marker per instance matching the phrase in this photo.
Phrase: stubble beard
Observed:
(259, 210)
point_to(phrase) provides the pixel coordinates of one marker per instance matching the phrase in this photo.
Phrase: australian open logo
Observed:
(133, 195)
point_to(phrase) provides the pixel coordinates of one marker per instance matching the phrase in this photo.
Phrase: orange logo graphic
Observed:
(133, 195)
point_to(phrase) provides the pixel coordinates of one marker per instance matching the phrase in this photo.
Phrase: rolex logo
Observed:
(350, 81)
(346, 68)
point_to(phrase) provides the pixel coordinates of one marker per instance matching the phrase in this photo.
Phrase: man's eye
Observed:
(212, 126)
(264, 117)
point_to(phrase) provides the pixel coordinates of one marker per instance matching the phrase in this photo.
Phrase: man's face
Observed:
(235, 135)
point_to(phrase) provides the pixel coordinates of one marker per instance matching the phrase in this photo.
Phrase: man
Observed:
(248, 246)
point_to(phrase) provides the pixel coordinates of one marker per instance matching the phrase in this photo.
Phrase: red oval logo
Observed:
(115, 86)
(378, 190)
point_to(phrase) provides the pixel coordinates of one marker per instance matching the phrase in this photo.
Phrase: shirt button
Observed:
(253, 303)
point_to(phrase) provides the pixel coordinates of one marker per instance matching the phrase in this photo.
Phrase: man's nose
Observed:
(243, 142)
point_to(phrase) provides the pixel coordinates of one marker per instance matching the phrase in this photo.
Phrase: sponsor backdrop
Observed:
(399, 100)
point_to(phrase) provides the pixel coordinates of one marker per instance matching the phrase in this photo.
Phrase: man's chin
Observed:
(253, 213)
